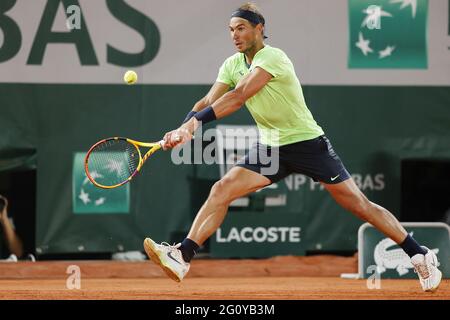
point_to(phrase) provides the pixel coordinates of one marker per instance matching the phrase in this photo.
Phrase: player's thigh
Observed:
(348, 195)
(240, 181)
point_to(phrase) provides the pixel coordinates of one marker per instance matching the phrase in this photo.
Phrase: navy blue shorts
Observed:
(314, 158)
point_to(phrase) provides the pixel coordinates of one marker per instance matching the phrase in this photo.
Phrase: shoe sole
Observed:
(436, 287)
(153, 254)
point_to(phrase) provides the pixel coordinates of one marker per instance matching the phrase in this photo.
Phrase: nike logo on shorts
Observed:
(334, 178)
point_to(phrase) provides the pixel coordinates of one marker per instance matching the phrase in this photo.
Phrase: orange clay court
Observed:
(278, 278)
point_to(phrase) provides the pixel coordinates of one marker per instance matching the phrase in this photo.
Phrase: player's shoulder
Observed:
(233, 59)
(273, 52)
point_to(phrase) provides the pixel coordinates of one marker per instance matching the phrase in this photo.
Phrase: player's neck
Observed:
(251, 52)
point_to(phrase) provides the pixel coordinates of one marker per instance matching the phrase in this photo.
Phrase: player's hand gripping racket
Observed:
(113, 162)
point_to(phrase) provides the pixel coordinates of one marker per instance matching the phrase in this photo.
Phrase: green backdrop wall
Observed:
(371, 128)
(61, 90)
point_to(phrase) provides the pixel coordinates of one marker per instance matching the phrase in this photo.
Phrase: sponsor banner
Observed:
(96, 41)
(89, 199)
(258, 234)
(381, 255)
(388, 34)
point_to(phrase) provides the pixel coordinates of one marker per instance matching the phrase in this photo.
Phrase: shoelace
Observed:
(174, 249)
(423, 271)
(174, 246)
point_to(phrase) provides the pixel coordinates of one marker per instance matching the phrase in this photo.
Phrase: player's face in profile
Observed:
(243, 34)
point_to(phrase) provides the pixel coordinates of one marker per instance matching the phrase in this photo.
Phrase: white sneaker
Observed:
(426, 267)
(168, 257)
(11, 258)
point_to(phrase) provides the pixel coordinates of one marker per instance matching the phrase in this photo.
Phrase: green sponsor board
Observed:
(391, 262)
(388, 34)
(88, 199)
(258, 234)
(372, 148)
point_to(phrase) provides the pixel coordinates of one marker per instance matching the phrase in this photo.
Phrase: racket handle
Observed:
(177, 138)
(162, 142)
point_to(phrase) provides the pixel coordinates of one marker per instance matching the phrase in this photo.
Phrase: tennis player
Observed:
(264, 78)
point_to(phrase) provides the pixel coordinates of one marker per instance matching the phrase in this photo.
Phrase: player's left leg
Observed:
(175, 260)
(348, 195)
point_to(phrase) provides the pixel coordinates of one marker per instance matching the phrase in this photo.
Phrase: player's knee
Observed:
(222, 191)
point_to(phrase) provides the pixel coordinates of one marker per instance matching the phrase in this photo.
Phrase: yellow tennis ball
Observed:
(130, 77)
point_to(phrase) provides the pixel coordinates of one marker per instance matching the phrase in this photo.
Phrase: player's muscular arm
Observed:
(224, 104)
(234, 99)
(217, 90)
(246, 88)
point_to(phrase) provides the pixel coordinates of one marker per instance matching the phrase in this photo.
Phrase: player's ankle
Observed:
(188, 249)
(411, 247)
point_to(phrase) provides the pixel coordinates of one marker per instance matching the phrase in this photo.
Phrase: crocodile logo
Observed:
(395, 259)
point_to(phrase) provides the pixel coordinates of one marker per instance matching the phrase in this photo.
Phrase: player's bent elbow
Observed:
(238, 98)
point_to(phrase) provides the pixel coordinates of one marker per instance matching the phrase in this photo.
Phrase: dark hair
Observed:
(250, 6)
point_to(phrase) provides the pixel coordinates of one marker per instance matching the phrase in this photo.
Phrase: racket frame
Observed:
(154, 146)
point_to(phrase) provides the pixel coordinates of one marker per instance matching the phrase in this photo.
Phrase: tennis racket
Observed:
(112, 162)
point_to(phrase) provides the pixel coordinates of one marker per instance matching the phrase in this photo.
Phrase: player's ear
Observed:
(260, 28)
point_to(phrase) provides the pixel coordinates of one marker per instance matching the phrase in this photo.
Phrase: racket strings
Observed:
(112, 162)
